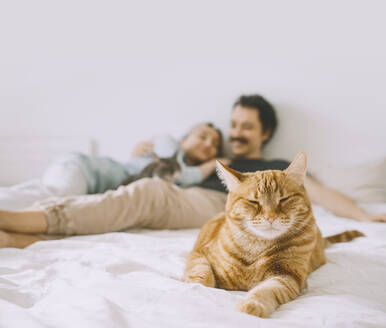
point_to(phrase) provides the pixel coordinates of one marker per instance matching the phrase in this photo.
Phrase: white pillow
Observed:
(364, 183)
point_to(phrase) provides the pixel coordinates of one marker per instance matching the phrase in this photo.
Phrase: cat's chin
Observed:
(266, 233)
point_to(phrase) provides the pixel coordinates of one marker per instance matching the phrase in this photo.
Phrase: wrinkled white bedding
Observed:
(129, 279)
(23, 194)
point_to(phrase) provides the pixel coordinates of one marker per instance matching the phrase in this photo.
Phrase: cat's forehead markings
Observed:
(264, 183)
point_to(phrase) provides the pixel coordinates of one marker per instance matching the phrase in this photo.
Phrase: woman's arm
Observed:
(338, 203)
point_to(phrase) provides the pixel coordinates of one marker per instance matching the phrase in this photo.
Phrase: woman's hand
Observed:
(142, 148)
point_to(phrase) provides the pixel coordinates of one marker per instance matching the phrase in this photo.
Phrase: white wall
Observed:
(120, 71)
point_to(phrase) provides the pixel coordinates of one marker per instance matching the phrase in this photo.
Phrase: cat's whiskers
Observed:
(305, 222)
(296, 229)
(303, 226)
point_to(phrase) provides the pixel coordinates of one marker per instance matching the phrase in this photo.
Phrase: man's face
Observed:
(246, 135)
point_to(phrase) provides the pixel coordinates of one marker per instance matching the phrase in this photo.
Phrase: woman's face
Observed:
(201, 145)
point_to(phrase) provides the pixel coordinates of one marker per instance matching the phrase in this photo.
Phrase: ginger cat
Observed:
(266, 243)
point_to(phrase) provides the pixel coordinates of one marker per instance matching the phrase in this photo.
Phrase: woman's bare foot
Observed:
(4, 239)
(17, 240)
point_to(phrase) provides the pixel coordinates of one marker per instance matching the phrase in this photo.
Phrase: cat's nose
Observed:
(270, 219)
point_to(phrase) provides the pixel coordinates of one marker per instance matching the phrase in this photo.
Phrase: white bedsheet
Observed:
(23, 194)
(130, 280)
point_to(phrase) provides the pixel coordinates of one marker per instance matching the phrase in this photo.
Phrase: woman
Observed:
(79, 174)
(151, 203)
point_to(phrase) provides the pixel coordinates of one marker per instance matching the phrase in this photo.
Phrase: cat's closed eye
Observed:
(283, 199)
(252, 201)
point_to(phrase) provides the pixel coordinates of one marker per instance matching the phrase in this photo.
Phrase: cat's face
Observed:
(268, 203)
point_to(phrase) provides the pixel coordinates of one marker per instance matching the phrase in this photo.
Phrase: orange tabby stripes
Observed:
(266, 242)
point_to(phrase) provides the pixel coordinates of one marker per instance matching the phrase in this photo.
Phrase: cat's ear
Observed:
(155, 157)
(229, 177)
(174, 157)
(298, 167)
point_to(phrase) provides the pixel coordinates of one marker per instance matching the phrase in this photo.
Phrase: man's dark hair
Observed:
(266, 112)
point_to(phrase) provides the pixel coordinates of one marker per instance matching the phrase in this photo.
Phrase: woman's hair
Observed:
(220, 148)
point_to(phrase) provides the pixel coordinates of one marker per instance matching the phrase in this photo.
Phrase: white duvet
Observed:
(129, 279)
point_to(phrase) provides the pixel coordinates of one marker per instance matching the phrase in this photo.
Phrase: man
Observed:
(154, 203)
(253, 124)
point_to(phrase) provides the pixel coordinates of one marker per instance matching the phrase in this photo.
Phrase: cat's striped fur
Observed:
(267, 241)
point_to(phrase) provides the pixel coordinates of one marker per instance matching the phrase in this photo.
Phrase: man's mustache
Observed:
(241, 140)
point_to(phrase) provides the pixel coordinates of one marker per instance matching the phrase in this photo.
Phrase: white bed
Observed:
(129, 279)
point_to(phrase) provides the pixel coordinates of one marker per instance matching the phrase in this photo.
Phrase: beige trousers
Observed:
(147, 203)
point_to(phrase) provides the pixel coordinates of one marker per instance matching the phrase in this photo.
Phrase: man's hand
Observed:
(224, 160)
(338, 203)
(142, 148)
(209, 167)
(368, 217)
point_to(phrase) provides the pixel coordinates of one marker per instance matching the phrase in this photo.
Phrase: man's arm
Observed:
(337, 203)
(209, 167)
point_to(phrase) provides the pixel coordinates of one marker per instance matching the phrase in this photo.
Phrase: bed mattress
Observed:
(130, 279)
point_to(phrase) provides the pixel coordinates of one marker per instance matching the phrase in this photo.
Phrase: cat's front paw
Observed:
(191, 280)
(254, 307)
(207, 281)
(187, 280)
